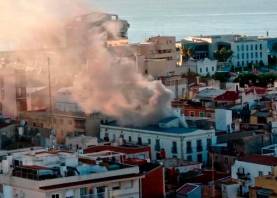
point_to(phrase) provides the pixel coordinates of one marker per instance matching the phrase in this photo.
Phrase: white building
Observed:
(57, 174)
(169, 137)
(249, 50)
(80, 142)
(206, 67)
(223, 120)
(247, 168)
(246, 49)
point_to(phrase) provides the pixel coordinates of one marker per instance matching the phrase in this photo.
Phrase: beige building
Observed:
(64, 123)
(156, 56)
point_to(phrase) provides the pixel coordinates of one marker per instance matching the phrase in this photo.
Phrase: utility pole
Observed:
(50, 111)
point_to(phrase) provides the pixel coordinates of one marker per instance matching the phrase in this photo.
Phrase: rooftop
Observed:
(125, 148)
(45, 165)
(228, 96)
(260, 159)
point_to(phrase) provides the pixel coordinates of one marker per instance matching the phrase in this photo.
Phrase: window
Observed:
(260, 173)
(212, 68)
(199, 145)
(209, 143)
(130, 139)
(192, 113)
(261, 55)
(199, 157)
(238, 47)
(256, 47)
(252, 56)
(149, 141)
(189, 158)
(247, 56)
(189, 148)
(242, 63)
(238, 63)
(256, 54)
(246, 47)
(238, 56)
(242, 55)
(261, 46)
(251, 47)
(202, 114)
(200, 70)
(55, 196)
(242, 47)
(139, 141)
(207, 69)
(157, 145)
(174, 147)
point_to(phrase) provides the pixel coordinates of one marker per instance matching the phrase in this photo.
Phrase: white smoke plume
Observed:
(107, 83)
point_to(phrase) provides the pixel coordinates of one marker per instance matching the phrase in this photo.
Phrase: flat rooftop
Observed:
(45, 165)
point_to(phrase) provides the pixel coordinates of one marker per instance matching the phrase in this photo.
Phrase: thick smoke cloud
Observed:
(107, 83)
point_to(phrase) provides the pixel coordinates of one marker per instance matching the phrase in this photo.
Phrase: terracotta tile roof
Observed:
(258, 90)
(228, 96)
(260, 159)
(120, 149)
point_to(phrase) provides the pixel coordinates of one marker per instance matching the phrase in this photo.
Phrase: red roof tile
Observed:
(228, 96)
(260, 159)
(257, 90)
(120, 149)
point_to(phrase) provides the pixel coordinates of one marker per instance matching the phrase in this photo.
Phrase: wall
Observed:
(153, 178)
(166, 140)
(252, 169)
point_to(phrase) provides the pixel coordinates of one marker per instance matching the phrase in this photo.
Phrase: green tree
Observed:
(223, 54)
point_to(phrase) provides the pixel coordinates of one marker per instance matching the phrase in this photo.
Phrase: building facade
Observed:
(168, 139)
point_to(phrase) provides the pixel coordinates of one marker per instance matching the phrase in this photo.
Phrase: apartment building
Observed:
(247, 50)
(57, 174)
(168, 138)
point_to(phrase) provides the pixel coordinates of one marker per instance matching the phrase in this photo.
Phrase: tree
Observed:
(223, 54)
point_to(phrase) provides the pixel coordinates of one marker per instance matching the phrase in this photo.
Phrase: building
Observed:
(153, 175)
(247, 168)
(129, 150)
(246, 50)
(265, 186)
(13, 92)
(58, 174)
(177, 84)
(80, 142)
(169, 138)
(206, 67)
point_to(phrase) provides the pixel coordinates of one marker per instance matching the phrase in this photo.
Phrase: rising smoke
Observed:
(101, 81)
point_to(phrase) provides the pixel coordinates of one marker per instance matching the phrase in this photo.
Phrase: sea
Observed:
(182, 18)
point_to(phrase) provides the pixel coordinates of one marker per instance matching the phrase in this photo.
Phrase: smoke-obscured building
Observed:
(168, 138)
